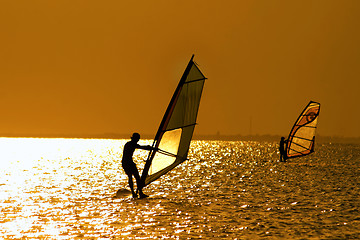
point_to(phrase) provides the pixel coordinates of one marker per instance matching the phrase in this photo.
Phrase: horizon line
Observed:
(217, 136)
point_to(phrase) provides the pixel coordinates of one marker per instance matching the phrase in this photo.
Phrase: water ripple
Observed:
(227, 190)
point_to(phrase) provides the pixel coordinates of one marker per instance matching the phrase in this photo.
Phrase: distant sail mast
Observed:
(177, 126)
(301, 139)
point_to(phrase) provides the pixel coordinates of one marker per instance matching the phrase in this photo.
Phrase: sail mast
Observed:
(173, 100)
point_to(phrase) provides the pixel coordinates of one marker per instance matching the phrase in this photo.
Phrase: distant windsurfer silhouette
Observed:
(130, 167)
(282, 147)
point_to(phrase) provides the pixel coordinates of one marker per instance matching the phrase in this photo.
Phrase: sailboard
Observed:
(173, 137)
(122, 193)
(301, 139)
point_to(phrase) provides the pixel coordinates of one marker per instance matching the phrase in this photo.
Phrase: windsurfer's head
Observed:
(282, 138)
(135, 137)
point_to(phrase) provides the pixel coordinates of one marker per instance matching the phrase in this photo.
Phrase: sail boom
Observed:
(301, 153)
(296, 151)
(168, 153)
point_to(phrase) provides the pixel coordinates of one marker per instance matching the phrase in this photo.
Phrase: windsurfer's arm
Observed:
(147, 147)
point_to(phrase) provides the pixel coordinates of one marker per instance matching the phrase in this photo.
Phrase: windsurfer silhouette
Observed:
(130, 167)
(282, 146)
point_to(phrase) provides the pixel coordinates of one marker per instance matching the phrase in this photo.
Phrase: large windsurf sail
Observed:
(177, 126)
(301, 139)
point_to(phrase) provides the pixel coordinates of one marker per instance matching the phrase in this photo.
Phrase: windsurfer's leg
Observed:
(131, 184)
(130, 170)
(139, 184)
(282, 157)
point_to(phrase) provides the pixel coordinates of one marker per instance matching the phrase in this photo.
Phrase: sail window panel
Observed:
(170, 143)
(161, 163)
(187, 106)
(185, 142)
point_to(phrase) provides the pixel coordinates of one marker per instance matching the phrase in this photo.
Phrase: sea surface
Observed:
(64, 188)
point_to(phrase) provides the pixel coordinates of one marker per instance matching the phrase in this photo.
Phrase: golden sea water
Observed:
(64, 188)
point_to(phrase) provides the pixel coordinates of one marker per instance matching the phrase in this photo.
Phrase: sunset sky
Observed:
(93, 67)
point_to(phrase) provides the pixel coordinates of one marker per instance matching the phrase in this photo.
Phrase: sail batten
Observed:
(200, 79)
(170, 129)
(301, 139)
(177, 126)
(307, 126)
(299, 145)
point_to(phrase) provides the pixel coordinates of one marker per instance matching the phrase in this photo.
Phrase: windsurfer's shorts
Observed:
(130, 168)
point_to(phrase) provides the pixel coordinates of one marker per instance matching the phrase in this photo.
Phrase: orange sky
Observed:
(73, 67)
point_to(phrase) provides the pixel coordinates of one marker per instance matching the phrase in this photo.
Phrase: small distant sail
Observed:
(177, 126)
(302, 135)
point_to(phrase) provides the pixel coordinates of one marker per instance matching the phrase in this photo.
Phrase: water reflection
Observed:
(63, 189)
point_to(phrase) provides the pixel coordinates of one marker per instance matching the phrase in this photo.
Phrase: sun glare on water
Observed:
(37, 174)
(64, 188)
(23, 157)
